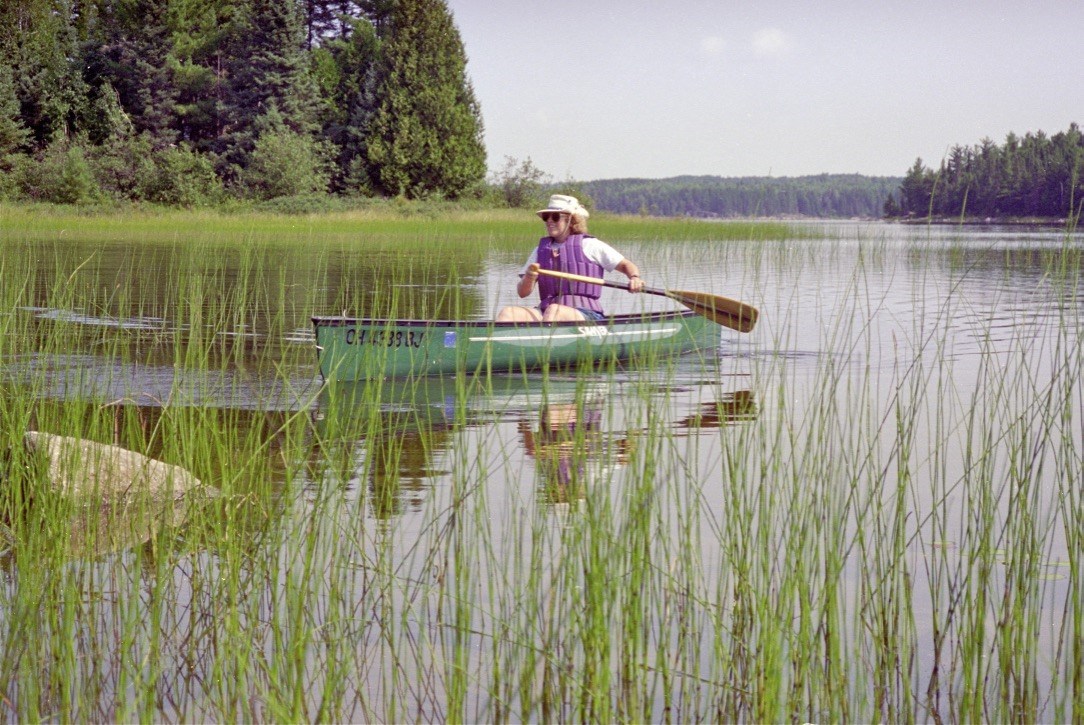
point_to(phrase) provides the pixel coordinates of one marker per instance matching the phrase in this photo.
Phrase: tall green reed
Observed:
(883, 541)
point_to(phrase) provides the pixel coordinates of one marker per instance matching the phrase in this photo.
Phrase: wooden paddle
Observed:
(726, 312)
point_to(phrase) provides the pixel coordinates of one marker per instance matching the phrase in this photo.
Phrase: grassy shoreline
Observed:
(398, 217)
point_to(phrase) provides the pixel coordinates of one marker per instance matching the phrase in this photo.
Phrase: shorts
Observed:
(591, 315)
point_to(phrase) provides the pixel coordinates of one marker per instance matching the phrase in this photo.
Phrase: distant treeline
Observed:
(825, 195)
(1033, 176)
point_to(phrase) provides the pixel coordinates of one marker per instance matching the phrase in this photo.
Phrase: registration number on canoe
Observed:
(385, 338)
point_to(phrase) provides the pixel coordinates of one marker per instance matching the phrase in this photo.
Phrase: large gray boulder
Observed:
(121, 498)
(79, 467)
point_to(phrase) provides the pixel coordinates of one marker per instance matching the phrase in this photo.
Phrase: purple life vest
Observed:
(569, 258)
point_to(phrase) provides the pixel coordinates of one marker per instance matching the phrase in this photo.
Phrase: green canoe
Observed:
(351, 349)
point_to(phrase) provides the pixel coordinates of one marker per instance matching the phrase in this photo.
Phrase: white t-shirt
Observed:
(594, 249)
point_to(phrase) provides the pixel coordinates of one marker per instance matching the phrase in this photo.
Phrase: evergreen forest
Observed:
(1037, 176)
(189, 102)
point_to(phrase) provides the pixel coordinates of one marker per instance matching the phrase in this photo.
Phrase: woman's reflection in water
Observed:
(570, 448)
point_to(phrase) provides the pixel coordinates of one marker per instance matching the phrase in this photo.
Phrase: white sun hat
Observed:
(566, 205)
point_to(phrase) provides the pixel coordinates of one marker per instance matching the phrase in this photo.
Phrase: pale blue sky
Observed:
(591, 90)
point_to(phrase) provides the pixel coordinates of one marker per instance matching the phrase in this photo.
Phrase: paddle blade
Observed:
(721, 310)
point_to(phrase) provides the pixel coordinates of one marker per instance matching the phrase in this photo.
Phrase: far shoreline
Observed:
(986, 221)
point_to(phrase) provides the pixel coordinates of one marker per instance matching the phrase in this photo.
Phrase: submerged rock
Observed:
(121, 498)
(79, 467)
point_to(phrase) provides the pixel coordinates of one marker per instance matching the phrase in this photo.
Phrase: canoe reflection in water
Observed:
(397, 438)
(398, 443)
(570, 448)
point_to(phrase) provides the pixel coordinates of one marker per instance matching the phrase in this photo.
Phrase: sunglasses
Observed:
(551, 216)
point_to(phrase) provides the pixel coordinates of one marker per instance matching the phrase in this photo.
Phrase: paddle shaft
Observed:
(721, 310)
(595, 280)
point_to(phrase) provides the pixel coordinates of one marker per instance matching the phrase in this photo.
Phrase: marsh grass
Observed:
(382, 228)
(893, 534)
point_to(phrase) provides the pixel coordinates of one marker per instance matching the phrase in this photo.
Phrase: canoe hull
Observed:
(352, 349)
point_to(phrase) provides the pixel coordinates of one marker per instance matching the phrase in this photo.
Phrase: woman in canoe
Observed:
(568, 248)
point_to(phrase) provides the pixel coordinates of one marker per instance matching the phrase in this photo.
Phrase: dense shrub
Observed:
(521, 183)
(286, 163)
(123, 167)
(61, 174)
(183, 177)
(10, 164)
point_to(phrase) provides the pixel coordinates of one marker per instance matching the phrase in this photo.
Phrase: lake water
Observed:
(874, 498)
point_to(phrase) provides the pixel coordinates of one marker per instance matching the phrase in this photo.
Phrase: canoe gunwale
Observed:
(622, 319)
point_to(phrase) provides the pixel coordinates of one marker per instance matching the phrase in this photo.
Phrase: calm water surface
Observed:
(959, 337)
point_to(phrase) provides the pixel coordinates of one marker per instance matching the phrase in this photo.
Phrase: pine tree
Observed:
(200, 32)
(916, 190)
(425, 136)
(325, 19)
(268, 68)
(132, 55)
(349, 87)
(40, 45)
(13, 134)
